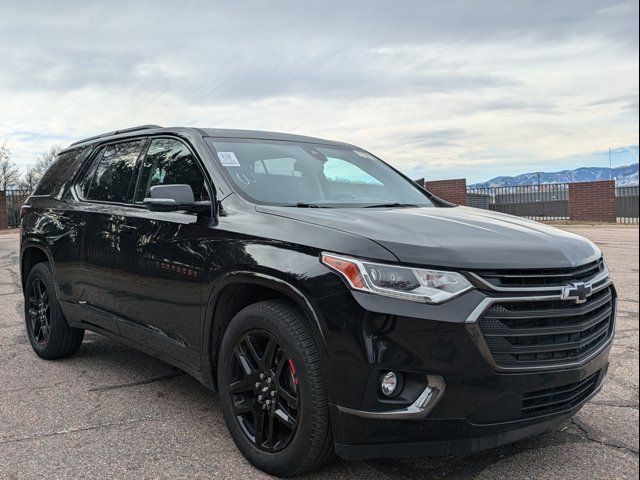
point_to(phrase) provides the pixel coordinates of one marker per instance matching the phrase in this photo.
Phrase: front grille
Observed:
(547, 333)
(558, 399)
(555, 277)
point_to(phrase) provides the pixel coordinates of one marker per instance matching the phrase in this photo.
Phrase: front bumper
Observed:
(359, 438)
(482, 439)
(482, 406)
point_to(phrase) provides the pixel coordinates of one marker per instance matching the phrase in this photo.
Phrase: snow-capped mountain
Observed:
(624, 175)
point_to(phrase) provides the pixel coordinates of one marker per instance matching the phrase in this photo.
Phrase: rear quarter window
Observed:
(63, 168)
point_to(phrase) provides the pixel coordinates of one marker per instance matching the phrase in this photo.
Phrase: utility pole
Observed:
(610, 163)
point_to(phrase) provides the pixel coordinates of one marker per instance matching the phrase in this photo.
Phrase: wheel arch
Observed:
(33, 252)
(236, 290)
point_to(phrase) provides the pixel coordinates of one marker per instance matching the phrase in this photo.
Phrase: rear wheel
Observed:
(48, 331)
(272, 390)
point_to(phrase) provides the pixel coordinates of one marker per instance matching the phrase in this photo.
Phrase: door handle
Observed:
(128, 229)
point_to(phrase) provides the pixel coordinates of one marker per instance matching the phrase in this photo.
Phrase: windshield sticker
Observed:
(364, 155)
(228, 159)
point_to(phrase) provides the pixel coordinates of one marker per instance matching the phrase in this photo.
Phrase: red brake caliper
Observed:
(292, 368)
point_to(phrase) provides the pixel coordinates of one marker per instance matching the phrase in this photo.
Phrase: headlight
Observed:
(417, 284)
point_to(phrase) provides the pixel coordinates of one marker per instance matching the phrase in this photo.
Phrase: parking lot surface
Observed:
(112, 412)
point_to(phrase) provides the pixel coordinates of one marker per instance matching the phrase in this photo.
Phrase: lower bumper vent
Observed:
(558, 399)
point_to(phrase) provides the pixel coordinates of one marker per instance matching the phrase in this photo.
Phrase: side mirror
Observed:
(171, 198)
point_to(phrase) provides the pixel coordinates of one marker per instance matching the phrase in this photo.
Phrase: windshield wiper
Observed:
(381, 205)
(307, 205)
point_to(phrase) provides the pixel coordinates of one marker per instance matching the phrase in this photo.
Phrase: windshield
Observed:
(312, 175)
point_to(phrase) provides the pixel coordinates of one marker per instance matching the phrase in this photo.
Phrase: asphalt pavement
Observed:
(113, 412)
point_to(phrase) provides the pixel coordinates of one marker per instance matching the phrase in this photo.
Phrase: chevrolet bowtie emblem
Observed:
(578, 291)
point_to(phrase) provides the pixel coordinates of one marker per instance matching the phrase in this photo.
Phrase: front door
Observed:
(158, 295)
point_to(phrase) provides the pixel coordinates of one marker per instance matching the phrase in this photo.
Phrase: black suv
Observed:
(336, 306)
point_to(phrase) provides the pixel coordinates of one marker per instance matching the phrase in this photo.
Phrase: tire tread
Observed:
(64, 340)
(320, 443)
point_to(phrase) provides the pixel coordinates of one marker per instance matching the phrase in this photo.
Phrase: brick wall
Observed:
(593, 201)
(454, 191)
(3, 211)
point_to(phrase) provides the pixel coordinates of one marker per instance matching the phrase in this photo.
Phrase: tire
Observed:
(49, 334)
(297, 378)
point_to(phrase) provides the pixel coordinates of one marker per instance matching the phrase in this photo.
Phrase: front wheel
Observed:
(272, 390)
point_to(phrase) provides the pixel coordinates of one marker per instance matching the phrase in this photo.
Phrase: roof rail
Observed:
(115, 132)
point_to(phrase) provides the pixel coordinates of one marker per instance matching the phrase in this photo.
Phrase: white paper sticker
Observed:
(364, 155)
(228, 159)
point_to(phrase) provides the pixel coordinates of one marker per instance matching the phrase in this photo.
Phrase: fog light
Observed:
(389, 384)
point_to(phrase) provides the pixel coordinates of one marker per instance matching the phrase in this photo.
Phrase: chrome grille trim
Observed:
(602, 276)
(477, 334)
(482, 306)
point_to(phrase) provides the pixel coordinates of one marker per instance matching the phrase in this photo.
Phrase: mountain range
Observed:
(624, 175)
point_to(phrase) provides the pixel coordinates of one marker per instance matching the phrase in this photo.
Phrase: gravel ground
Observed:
(112, 412)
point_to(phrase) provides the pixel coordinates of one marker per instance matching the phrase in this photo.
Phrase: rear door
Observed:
(159, 294)
(105, 188)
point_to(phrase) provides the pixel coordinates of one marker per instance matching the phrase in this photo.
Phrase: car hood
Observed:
(458, 237)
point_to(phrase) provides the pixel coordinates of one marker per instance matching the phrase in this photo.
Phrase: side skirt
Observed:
(73, 313)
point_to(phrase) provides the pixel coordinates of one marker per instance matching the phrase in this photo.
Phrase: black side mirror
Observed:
(171, 198)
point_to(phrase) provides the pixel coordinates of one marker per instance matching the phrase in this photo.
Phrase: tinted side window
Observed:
(109, 177)
(87, 178)
(169, 162)
(61, 170)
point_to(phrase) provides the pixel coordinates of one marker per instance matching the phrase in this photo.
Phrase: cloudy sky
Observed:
(437, 88)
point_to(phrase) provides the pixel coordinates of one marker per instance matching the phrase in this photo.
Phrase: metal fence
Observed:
(627, 204)
(537, 202)
(15, 199)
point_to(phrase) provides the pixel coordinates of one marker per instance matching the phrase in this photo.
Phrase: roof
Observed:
(116, 132)
(208, 132)
(264, 135)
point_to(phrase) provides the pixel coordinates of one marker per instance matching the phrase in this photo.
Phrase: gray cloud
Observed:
(632, 108)
(614, 99)
(460, 79)
(226, 72)
(435, 138)
(516, 104)
(258, 49)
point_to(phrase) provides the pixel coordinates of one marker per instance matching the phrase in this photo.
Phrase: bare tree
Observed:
(44, 162)
(9, 174)
(29, 180)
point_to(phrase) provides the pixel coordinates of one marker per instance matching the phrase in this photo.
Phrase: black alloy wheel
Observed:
(272, 389)
(50, 335)
(39, 311)
(264, 389)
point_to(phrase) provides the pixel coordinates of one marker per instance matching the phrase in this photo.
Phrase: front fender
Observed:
(215, 327)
